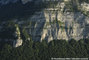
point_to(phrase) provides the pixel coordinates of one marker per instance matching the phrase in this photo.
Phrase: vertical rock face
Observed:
(65, 26)
(52, 24)
(59, 22)
(18, 41)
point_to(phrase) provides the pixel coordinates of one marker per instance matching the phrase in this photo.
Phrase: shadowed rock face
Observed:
(25, 1)
(3, 2)
(13, 1)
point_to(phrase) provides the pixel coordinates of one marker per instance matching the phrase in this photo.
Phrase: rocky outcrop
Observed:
(85, 6)
(18, 42)
(55, 23)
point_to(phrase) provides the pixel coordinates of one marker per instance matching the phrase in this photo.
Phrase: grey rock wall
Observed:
(52, 25)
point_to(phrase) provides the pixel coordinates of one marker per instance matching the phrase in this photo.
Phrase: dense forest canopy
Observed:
(46, 51)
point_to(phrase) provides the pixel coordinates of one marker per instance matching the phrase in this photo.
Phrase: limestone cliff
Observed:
(55, 23)
(68, 19)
